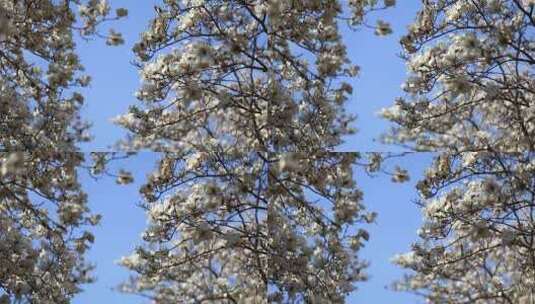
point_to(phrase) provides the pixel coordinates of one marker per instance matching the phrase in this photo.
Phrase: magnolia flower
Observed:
(290, 162)
(400, 175)
(383, 28)
(12, 163)
(121, 12)
(114, 38)
(124, 177)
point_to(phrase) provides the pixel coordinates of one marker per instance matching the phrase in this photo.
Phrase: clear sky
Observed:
(115, 80)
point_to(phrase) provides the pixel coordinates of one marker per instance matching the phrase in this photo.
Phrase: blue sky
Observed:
(115, 80)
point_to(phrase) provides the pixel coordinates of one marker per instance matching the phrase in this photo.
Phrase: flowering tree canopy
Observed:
(249, 201)
(42, 239)
(248, 204)
(43, 210)
(257, 75)
(470, 99)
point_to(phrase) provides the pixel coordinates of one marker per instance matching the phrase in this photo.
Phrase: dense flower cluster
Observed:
(470, 100)
(251, 228)
(38, 106)
(42, 239)
(43, 212)
(477, 235)
(248, 205)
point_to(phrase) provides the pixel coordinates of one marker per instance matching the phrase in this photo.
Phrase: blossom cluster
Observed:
(265, 75)
(43, 220)
(469, 99)
(251, 228)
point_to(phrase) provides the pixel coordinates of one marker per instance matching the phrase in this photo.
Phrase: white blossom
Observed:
(468, 100)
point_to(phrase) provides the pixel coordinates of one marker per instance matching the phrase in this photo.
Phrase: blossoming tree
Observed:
(43, 211)
(470, 100)
(249, 203)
